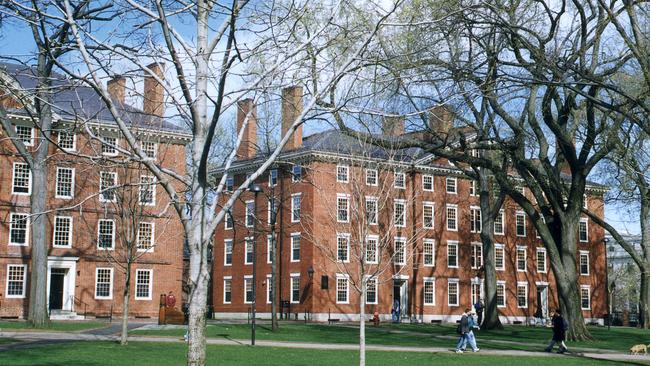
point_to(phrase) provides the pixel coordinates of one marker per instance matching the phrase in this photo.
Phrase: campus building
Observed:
(99, 202)
(419, 215)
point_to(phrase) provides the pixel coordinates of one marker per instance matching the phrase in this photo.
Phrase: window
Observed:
(104, 283)
(227, 252)
(273, 177)
(501, 294)
(427, 215)
(295, 247)
(248, 289)
(229, 222)
(147, 190)
(143, 281)
(149, 149)
(18, 229)
(585, 298)
(22, 179)
(428, 252)
(342, 172)
(273, 211)
(296, 173)
(541, 260)
(452, 254)
(522, 294)
(371, 177)
(475, 224)
(476, 290)
(250, 213)
(295, 207)
(477, 255)
(145, 236)
(16, 279)
(269, 289)
(499, 223)
(109, 146)
(269, 249)
(584, 263)
(295, 288)
(342, 208)
(452, 217)
(427, 183)
(472, 188)
(230, 183)
(399, 257)
(429, 291)
(371, 290)
(248, 244)
(227, 290)
(520, 221)
(499, 257)
(64, 183)
(399, 213)
(451, 185)
(343, 247)
(67, 141)
(400, 180)
(452, 292)
(521, 259)
(372, 242)
(107, 183)
(62, 236)
(341, 289)
(106, 234)
(25, 134)
(371, 210)
(583, 232)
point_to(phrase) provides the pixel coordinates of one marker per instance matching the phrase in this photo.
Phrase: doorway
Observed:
(57, 282)
(400, 293)
(542, 302)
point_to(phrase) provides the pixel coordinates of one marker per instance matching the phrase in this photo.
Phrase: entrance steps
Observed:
(64, 315)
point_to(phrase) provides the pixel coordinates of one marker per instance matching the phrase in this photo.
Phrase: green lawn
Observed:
(618, 339)
(161, 354)
(59, 326)
(7, 340)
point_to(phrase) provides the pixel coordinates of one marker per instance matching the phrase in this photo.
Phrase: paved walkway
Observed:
(37, 339)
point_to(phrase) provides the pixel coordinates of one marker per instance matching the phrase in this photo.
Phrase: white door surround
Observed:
(69, 282)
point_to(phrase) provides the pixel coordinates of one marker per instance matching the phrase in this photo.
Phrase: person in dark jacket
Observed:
(463, 330)
(560, 326)
(479, 307)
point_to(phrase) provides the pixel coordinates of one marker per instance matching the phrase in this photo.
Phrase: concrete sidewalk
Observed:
(47, 338)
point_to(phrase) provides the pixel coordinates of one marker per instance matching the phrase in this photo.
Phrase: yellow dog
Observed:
(635, 350)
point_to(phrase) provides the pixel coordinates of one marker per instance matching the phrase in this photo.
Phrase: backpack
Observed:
(565, 324)
(459, 329)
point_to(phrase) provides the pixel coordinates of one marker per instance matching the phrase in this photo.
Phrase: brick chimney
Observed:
(248, 146)
(392, 126)
(154, 92)
(441, 120)
(116, 88)
(291, 109)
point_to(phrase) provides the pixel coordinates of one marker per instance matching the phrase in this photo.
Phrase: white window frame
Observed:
(451, 179)
(347, 238)
(74, 140)
(395, 185)
(375, 217)
(376, 239)
(455, 281)
(149, 184)
(250, 212)
(13, 180)
(372, 279)
(428, 204)
(31, 135)
(476, 261)
(150, 284)
(369, 176)
(502, 216)
(339, 198)
(432, 281)
(473, 227)
(525, 285)
(24, 281)
(114, 145)
(520, 214)
(27, 226)
(472, 188)
(505, 294)
(229, 279)
(347, 173)
(588, 288)
(154, 150)
(455, 210)
(402, 240)
(291, 238)
(248, 240)
(107, 189)
(586, 222)
(273, 172)
(584, 254)
(295, 178)
(226, 221)
(54, 232)
(293, 279)
(340, 276)
(403, 216)
(453, 244)
(269, 288)
(153, 237)
(247, 279)
(521, 249)
(99, 229)
(540, 250)
(230, 183)
(72, 181)
(272, 203)
(502, 248)
(269, 249)
(225, 252)
(424, 178)
(110, 285)
(431, 242)
(293, 208)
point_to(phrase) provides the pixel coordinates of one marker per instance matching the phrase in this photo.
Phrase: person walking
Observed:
(560, 327)
(462, 330)
(471, 339)
(479, 311)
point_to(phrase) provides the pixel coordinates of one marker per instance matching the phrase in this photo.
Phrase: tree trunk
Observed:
(362, 325)
(644, 299)
(198, 297)
(489, 209)
(274, 296)
(125, 306)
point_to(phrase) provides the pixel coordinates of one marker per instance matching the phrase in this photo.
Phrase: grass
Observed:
(8, 340)
(162, 354)
(57, 326)
(530, 338)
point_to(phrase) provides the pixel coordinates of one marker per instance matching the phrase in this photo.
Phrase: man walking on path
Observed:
(471, 339)
(463, 330)
(560, 327)
(479, 310)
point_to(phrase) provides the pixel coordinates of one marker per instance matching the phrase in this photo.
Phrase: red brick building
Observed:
(88, 222)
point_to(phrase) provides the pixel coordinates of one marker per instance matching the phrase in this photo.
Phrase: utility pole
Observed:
(256, 189)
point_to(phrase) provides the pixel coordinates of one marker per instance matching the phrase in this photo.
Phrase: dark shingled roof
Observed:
(72, 101)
